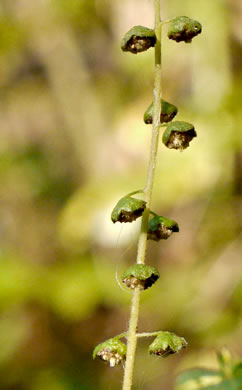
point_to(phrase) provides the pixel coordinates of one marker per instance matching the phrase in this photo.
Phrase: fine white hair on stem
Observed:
(119, 283)
(118, 263)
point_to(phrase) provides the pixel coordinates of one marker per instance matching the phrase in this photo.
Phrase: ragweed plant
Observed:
(177, 135)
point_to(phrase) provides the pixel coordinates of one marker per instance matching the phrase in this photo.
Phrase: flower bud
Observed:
(140, 275)
(161, 228)
(168, 111)
(167, 343)
(112, 351)
(184, 29)
(128, 209)
(138, 39)
(178, 135)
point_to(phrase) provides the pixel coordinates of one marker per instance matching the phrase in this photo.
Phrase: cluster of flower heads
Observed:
(138, 39)
(128, 209)
(177, 135)
(113, 351)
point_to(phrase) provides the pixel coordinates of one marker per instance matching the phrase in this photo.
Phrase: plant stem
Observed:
(147, 334)
(168, 20)
(135, 192)
(121, 335)
(144, 334)
(134, 313)
(155, 215)
(132, 340)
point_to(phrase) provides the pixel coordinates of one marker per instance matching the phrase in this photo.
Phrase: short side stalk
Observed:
(133, 322)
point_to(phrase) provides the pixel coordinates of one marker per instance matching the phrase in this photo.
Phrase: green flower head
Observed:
(168, 111)
(138, 39)
(184, 29)
(140, 275)
(112, 351)
(161, 228)
(178, 135)
(167, 343)
(128, 209)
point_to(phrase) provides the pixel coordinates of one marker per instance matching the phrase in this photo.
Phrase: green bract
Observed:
(128, 209)
(112, 351)
(178, 134)
(168, 111)
(184, 29)
(167, 343)
(138, 39)
(161, 228)
(141, 275)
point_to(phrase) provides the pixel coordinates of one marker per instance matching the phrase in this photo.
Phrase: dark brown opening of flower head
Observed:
(162, 352)
(167, 117)
(137, 44)
(162, 233)
(126, 216)
(132, 282)
(180, 140)
(185, 35)
(149, 120)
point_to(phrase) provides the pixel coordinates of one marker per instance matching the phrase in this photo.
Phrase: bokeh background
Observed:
(72, 142)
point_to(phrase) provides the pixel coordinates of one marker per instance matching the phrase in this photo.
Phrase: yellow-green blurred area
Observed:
(72, 142)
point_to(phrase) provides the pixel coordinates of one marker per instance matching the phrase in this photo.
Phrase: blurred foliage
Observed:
(228, 377)
(73, 142)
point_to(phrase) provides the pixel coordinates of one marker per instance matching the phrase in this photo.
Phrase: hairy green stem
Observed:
(147, 334)
(144, 334)
(132, 340)
(134, 314)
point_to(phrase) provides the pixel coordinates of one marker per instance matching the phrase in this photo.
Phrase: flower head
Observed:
(138, 39)
(167, 343)
(128, 209)
(161, 228)
(168, 111)
(178, 135)
(140, 275)
(112, 351)
(184, 29)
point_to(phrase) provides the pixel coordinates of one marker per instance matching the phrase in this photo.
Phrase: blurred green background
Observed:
(72, 142)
